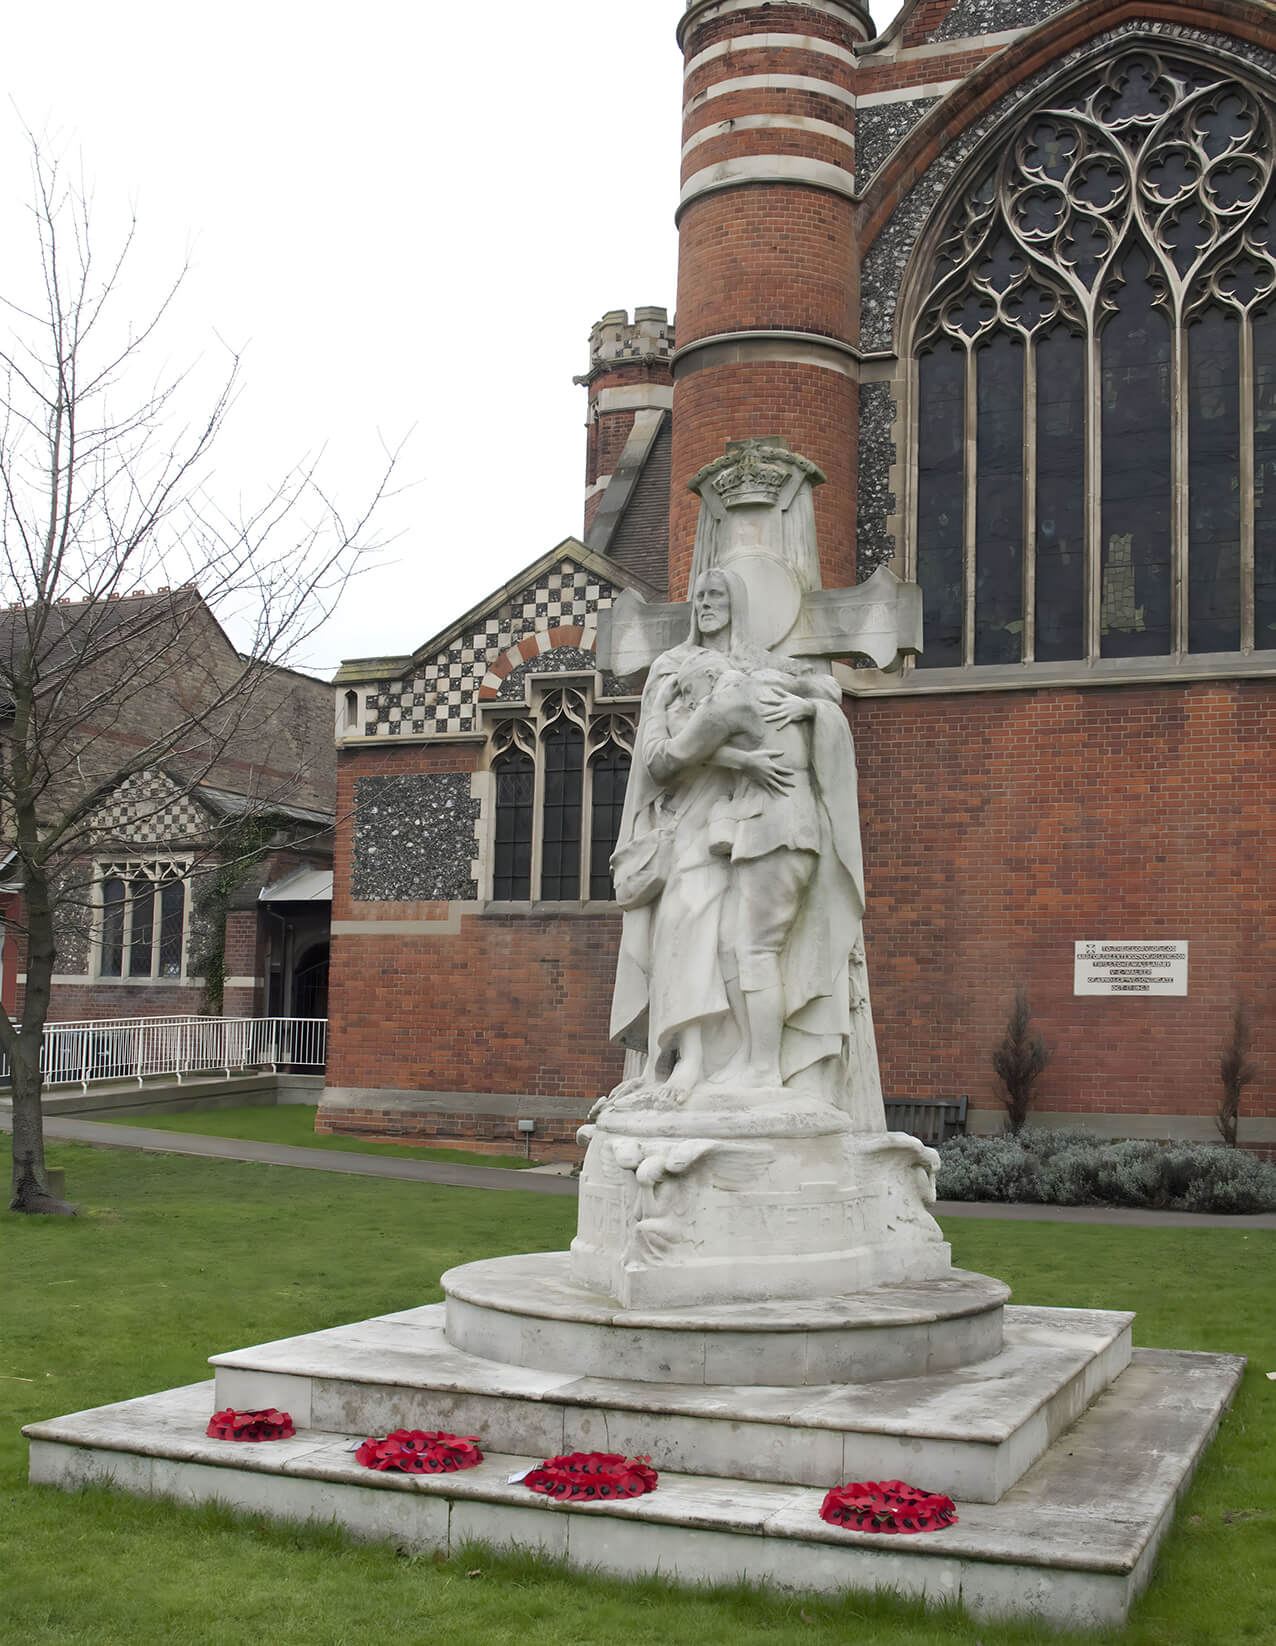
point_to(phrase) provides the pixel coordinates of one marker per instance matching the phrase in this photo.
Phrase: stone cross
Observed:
(757, 519)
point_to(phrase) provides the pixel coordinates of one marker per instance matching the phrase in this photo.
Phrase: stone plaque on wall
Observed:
(1130, 968)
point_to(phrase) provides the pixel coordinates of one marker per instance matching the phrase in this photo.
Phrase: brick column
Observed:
(768, 287)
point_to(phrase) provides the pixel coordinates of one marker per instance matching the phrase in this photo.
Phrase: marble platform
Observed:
(970, 1433)
(1071, 1543)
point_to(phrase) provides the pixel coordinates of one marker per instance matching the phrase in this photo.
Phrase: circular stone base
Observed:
(525, 1311)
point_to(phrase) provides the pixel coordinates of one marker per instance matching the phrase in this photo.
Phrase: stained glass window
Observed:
(1096, 414)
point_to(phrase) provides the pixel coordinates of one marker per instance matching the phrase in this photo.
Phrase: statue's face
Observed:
(712, 603)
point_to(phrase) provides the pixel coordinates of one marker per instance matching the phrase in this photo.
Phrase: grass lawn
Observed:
(176, 1258)
(295, 1123)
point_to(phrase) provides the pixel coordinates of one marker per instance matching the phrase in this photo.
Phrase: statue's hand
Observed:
(767, 768)
(665, 692)
(781, 708)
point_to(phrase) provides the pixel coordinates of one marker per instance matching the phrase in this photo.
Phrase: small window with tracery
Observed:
(559, 789)
(142, 930)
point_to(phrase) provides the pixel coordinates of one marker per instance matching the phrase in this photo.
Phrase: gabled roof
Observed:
(571, 548)
(225, 804)
(73, 629)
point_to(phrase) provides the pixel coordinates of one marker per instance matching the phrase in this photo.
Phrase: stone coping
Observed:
(540, 1284)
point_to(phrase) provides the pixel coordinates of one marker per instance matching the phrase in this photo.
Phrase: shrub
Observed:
(1235, 1071)
(1074, 1168)
(1019, 1062)
(987, 1168)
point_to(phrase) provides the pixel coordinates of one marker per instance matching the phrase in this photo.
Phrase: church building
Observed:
(1007, 274)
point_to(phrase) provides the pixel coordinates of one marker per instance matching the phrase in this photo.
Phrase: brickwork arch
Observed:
(537, 643)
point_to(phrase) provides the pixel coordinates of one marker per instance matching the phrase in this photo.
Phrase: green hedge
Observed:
(1076, 1168)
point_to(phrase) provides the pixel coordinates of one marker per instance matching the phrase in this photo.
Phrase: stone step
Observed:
(1070, 1545)
(971, 1432)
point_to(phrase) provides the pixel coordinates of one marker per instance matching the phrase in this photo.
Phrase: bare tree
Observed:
(104, 493)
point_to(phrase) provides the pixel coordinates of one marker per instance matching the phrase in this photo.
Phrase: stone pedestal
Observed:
(716, 1203)
(527, 1311)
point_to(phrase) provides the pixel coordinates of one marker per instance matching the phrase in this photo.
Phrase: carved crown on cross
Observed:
(757, 519)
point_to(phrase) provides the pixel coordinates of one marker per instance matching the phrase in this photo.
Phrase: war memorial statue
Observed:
(758, 1300)
(746, 1156)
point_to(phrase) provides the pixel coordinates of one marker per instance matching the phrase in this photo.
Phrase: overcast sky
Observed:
(406, 216)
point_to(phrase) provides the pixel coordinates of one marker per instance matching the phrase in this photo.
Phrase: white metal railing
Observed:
(125, 1048)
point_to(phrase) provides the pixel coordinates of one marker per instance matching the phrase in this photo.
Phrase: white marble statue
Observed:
(739, 870)
(745, 1157)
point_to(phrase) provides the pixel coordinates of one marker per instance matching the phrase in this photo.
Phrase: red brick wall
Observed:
(510, 1004)
(245, 957)
(1000, 828)
(69, 1002)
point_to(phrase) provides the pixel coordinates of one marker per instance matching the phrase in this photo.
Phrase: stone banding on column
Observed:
(848, 17)
(766, 168)
(767, 299)
(768, 42)
(791, 347)
(813, 85)
(753, 65)
(634, 397)
(628, 375)
(771, 123)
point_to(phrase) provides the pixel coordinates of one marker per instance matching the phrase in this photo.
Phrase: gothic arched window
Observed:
(560, 770)
(1096, 381)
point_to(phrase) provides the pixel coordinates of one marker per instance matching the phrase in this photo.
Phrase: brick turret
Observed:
(629, 374)
(768, 295)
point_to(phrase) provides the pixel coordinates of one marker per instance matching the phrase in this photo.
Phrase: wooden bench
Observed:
(933, 1119)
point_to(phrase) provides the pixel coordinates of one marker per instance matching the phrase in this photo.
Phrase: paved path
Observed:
(153, 1141)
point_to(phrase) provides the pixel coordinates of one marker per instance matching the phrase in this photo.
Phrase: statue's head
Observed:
(711, 604)
(719, 609)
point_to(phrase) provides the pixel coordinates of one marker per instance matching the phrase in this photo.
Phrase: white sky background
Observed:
(405, 215)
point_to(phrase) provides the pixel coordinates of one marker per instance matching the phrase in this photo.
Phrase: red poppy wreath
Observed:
(592, 1476)
(420, 1452)
(267, 1424)
(887, 1506)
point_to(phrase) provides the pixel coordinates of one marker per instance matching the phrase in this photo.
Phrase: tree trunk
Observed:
(30, 1178)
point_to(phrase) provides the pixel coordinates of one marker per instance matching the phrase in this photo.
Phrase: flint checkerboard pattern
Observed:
(139, 812)
(443, 693)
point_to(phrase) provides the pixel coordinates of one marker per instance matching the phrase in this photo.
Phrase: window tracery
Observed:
(1096, 367)
(560, 772)
(142, 927)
